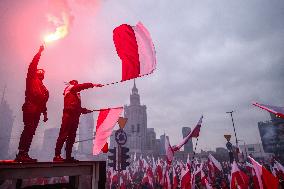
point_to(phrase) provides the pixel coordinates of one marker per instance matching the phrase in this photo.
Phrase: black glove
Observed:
(85, 111)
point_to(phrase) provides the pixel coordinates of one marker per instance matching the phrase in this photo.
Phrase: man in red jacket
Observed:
(70, 119)
(36, 97)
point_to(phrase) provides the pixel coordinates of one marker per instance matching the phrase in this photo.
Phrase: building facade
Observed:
(254, 150)
(86, 133)
(272, 136)
(48, 145)
(188, 147)
(6, 125)
(136, 125)
(150, 141)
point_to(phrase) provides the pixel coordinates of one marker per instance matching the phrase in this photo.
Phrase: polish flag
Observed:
(136, 50)
(249, 168)
(278, 111)
(106, 121)
(193, 134)
(239, 180)
(266, 180)
(215, 162)
(185, 179)
(204, 180)
(211, 171)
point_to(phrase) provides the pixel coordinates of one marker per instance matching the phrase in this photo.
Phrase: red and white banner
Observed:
(185, 178)
(239, 180)
(106, 121)
(194, 133)
(265, 178)
(278, 111)
(136, 50)
(215, 162)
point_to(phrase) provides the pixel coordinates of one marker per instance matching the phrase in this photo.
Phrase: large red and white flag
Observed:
(278, 111)
(266, 180)
(216, 164)
(185, 178)
(239, 180)
(193, 134)
(106, 121)
(136, 50)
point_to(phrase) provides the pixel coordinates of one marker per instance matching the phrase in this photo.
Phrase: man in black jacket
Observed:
(70, 119)
(36, 97)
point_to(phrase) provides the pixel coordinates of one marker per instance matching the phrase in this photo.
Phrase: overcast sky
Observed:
(212, 57)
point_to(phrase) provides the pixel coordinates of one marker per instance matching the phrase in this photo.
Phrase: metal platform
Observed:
(19, 171)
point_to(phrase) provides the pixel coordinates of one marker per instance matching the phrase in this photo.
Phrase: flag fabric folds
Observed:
(193, 133)
(278, 111)
(105, 123)
(136, 50)
(185, 178)
(266, 180)
(239, 180)
(215, 162)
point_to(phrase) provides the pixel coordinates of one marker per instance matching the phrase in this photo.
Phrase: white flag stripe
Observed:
(258, 171)
(105, 129)
(215, 162)
(147, 55)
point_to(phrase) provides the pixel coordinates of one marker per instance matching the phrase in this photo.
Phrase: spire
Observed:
(134, 89)
(134, 97)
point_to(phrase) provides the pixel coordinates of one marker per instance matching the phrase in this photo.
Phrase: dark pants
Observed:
(31, 120)
(70, 121)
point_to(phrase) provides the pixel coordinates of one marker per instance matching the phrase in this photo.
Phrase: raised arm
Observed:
(33, 65)
(80, 87)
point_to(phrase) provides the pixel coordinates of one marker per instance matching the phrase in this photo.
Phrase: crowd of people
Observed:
(150, 173)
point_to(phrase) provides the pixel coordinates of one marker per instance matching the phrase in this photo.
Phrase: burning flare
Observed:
(62, 28)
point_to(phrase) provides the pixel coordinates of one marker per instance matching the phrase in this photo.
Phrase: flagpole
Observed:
(102, 109)
(127, 79)
(84, 140)
(195, 148)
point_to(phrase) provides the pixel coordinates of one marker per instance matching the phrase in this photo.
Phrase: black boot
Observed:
(71, 160)
(24, 157)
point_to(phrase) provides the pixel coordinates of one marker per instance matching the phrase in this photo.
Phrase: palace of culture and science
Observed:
(140, 139)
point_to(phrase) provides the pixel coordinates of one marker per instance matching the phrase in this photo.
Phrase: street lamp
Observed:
(231, 112)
